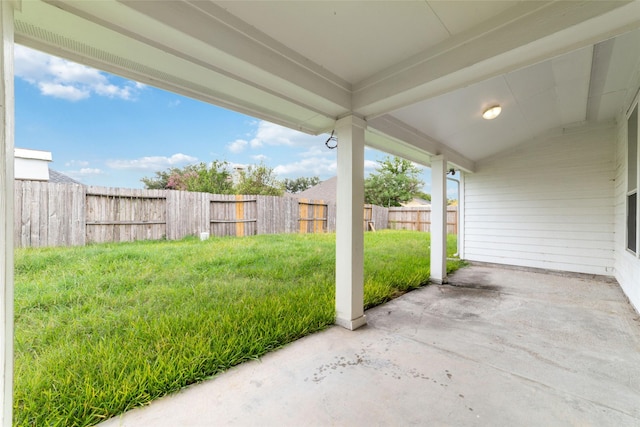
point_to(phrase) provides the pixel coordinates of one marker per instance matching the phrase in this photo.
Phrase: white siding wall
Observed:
(548, 203)
(627, 265)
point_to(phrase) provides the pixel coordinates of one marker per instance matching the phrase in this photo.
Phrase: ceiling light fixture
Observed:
(491, 112)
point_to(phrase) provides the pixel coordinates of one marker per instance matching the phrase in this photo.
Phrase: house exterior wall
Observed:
(31, 164)
(548, 203)
(627, 264)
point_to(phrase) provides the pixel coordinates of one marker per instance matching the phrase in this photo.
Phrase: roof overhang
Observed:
(224, 54)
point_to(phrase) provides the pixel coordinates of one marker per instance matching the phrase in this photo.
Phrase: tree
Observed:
(298, 185)
(422, 195)
(214, 178)
(160, 181)
(395, 181)
(259, 180)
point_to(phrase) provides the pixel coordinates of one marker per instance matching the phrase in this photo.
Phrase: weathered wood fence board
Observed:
(419, 219)
(124, 215)
(48, 214)
(188, 214)
(233, 215)
(379, 217)
(312, 217)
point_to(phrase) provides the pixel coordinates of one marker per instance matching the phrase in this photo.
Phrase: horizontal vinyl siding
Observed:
(548, 203)
(627, 265)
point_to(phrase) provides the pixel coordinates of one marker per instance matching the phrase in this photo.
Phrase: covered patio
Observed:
(551, 183)
(496, 346)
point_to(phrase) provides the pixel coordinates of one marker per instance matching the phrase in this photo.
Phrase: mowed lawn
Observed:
(104, 328)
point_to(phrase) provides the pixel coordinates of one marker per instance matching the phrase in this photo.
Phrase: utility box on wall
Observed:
(32, 165)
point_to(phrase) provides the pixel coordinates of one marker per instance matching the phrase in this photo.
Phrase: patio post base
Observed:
(352, 325)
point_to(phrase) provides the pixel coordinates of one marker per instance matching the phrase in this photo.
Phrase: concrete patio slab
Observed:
(497, 346)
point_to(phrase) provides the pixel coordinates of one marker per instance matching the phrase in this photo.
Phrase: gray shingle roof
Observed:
(60, 178)
(326, 191)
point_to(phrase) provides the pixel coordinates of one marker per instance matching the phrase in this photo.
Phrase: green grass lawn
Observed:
(104, 328)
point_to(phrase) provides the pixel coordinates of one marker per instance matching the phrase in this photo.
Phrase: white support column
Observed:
(461, 207)
(349, 224)
(439, 219)
(6, 208)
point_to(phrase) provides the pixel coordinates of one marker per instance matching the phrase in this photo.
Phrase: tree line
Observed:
(394, 181)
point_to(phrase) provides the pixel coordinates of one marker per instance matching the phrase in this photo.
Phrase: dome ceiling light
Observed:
(492, 112)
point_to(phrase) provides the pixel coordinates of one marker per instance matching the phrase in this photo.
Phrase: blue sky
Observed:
(109, 131)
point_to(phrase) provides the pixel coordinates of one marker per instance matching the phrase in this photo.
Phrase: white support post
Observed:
(349, 224)
(438, 219)
(6, 208)
(461, 207)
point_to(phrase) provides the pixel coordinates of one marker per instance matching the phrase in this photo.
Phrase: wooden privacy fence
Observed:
(419, 219)
(49, 214)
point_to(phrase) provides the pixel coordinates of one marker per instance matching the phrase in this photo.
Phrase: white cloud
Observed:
(370, 165)
(153, 163)
(260, 158)
(275, 135)
(90, 171)
(272, 134)
(58, 90)
(310, 166)
(80, 163)
(83, 173)
(113, 91)
(63, 79)
(316, 166)
(238, 146)
(316, 150)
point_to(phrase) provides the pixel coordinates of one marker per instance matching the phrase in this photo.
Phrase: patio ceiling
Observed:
(419, 72)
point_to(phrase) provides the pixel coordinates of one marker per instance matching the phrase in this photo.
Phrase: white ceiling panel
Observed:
(459, 16)
(534, 100)
(572, 75)
(609, 105)
(483, 138)
(540, 111)
(352, 39)
(447, 114)
(625, 58)
(531, 81)
(456, 118)
(616, 63)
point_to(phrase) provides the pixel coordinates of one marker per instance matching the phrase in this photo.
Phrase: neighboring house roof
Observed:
(60, 178)
(417, 202)
(325, 191)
